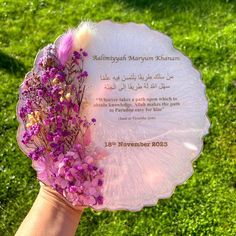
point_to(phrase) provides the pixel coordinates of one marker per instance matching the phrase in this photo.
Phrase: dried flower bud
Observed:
(68, 96)
(55, 81)
(28, 125)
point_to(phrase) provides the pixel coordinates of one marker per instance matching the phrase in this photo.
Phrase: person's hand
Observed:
(52, 195)
(51, 215)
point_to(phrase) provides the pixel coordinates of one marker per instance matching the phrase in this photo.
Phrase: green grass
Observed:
(206, 32)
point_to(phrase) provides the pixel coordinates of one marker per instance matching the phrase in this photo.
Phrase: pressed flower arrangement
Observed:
(53, 132)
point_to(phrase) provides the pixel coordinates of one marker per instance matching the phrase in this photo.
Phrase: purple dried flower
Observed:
(78, 147)
(26, 137)
(76, 55)
(73, 189)
(84, 74)
(85, 54)
(56, 138)
(101, 171)
(40, 92)
(90, 167)
(100, 182)
(46, 122)
(23, 112)
(35, 154)
(59, 119)
(69, 176)
(99, 200)
(79, 168)
(61, 76)
(54, 145)
(49, 137)
(44, 78)
(34, 129)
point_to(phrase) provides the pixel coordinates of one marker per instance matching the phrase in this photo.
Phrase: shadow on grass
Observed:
(11, 65)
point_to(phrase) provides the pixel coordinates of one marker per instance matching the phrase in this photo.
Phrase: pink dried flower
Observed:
(65, 47)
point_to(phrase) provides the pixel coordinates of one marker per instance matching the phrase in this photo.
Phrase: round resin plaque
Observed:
(148, 107)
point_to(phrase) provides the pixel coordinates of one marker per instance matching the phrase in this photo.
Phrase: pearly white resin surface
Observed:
(150, 106)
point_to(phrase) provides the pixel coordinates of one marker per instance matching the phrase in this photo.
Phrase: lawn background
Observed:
(206, 32)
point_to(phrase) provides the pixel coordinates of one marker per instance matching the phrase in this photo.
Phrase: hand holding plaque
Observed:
(112, 116)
